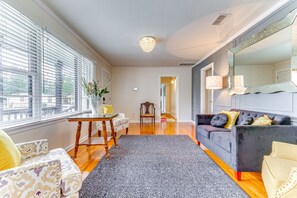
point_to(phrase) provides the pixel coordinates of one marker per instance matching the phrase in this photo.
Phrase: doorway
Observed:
(168, 99)
(206, 102)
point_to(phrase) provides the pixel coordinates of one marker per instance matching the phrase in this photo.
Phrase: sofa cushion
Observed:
(71, 175)
(232, 118)
(276, 118)
(247, 121)
(278, 169)
(219, 120)
(222, 139)
(205, 130)
(262, 121)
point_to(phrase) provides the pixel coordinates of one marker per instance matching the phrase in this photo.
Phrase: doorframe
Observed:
(203, 88)
(176, 76)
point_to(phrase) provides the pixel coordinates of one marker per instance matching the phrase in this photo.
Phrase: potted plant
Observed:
(94, 92)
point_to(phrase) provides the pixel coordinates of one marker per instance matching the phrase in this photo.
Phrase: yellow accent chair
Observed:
(279, 171)
(41, 173)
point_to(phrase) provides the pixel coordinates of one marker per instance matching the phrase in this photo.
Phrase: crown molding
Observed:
(246, 28)
(43, 5)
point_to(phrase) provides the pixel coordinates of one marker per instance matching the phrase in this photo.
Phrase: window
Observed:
(39, 74)
(87, 73)
(59, 81)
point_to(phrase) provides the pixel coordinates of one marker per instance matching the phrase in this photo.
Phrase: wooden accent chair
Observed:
(147, 110)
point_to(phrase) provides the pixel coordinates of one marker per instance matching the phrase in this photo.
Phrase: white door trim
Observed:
(203, 90)
(177, 91)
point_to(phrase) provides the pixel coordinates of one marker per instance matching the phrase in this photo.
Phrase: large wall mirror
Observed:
(266, 62)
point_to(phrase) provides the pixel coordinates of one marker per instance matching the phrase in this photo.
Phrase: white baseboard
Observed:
(71, 146)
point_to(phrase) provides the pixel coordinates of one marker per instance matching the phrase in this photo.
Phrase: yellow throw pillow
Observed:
(10, 156)
(262, 121)
(108, 109)
(232, 117)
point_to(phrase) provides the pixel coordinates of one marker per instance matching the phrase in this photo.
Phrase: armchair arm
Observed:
(250, 143)
(289, 188)
(33, 148)
(284, 150)
(204, 119)
(35, 180)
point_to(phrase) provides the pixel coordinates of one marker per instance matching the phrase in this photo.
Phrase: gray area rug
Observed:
(158, 166)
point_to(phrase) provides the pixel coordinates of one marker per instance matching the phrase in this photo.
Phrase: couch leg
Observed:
(237, 175)
(198, 143)
(127, 131)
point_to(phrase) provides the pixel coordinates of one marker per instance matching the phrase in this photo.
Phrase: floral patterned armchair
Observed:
(120, 122)
(42, 173)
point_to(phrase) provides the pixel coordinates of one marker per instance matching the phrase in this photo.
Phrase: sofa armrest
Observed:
(33, 148)
(204, 119)
(250, 143)
(284, 150)
(41, 179)
(289, 188)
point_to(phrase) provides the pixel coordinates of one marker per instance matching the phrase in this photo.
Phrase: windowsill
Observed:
(22, 127)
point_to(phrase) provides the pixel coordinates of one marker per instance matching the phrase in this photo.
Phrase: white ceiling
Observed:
(182, 27)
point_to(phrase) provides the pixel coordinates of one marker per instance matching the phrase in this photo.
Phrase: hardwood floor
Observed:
(87, 159)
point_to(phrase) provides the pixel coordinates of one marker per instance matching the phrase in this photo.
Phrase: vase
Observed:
(94, 101)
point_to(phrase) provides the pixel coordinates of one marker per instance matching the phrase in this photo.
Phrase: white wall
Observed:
(59, 133)
(147, 80)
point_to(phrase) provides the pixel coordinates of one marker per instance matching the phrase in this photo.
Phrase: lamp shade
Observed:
(214, 82)
(147, 43)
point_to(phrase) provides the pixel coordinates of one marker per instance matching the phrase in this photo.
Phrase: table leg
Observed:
(90, 129)
(105, 139)
(113, 132)
(89, 132)
(78, 130)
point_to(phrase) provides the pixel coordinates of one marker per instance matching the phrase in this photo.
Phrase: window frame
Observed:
(35, 78)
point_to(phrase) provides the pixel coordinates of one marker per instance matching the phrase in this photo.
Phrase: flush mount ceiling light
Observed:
(147, 43)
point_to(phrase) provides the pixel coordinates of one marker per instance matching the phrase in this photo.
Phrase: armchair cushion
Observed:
(33, 180)
(279, 169)
(10, 156)
(33, 148)
(108, 109)
(70, 174)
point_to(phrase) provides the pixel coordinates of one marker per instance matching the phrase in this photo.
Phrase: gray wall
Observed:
(282, 103)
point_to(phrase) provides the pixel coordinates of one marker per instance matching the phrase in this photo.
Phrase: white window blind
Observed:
(59, 77)
(20, 58)
(39, 74)
(87, 74)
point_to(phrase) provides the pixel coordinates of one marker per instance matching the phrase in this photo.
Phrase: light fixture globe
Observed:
(147, 43)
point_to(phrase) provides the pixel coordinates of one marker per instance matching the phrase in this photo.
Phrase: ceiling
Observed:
(182, 27)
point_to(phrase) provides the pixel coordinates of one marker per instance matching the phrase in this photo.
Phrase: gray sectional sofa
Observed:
(243, 147)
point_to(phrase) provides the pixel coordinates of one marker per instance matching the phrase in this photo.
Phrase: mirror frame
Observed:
(269, 30)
